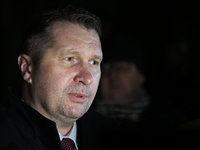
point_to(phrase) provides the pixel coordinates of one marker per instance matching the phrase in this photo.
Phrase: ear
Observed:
(24, 62)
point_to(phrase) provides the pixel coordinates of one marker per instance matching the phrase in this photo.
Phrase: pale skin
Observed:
(64, 86)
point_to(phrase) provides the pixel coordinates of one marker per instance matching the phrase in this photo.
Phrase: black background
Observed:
(167, 32)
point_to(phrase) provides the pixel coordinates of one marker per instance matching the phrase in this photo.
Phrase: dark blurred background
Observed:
(167, 32)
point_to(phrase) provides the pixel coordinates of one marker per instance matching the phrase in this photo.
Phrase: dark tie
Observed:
(67, 144)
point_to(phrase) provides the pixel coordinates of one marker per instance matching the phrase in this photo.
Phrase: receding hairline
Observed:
(63, 24)
(55, 25)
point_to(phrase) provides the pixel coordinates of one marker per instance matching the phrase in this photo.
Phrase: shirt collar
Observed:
(72, 135)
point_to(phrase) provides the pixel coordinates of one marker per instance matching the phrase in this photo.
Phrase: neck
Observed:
(65, 129)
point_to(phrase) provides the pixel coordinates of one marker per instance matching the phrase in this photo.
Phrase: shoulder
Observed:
(6, 130)
(193, 125)
(4, 121)
(92, 128)
(97, 120)
(2, 118)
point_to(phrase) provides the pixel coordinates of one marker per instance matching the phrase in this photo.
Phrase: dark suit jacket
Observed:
(22, 127)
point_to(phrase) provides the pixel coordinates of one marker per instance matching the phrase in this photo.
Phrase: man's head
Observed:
(122, 71)
(61, 64)
(39, 37)
(120, 81)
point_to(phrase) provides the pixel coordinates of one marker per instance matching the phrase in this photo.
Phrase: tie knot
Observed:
(67, 144)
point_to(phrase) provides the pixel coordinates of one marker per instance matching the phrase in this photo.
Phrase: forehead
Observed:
(66, 34)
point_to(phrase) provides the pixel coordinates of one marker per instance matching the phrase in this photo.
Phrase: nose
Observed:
(84, 76)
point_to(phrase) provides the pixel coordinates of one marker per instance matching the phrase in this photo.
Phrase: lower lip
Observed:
(77, 99)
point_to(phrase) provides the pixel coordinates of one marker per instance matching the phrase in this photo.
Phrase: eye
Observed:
(95, 63)
(69, 58)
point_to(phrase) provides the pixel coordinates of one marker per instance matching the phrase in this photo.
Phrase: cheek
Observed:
(60, 76)
(96, 81)
(54, 81)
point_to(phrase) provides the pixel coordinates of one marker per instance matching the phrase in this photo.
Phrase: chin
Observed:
(77, 113)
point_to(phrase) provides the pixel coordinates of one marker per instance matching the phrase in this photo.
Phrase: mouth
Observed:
(78, 97)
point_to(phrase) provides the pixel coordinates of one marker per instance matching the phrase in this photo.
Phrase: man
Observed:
(121, 93)
(60, 66)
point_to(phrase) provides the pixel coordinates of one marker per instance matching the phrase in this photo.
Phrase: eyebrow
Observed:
(68, 51)
(98, 57)
(72, 51)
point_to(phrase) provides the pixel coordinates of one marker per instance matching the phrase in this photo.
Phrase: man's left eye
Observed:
(69, 58)
(93, 62)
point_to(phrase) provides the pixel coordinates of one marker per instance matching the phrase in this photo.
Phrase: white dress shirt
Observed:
(72, 135)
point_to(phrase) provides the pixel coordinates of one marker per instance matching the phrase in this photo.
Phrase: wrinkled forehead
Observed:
(62, 27)
(71, 31)
(71, 38)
